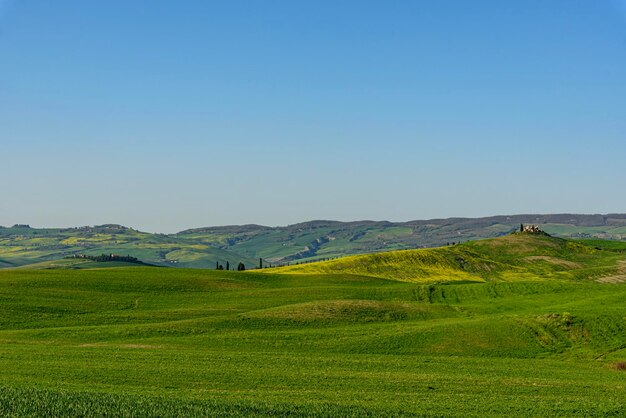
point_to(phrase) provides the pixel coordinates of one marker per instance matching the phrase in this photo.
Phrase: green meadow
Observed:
(515, 326)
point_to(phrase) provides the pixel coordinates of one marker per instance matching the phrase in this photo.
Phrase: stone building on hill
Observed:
(530, 229)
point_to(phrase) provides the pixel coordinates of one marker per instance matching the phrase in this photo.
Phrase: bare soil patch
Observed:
(620, 277)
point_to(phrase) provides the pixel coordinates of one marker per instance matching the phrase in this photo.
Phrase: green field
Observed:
(523, 326)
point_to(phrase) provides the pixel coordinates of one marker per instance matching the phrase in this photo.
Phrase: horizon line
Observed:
(618, 214)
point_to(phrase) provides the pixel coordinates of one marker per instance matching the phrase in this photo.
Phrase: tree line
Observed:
(107, 257)
(240, 266)
(265, 264)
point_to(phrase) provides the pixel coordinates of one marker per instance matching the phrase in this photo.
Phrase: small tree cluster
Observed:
(107, 257)
(240, 266)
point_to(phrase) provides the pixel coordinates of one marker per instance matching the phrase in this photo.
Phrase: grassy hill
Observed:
(540, 335)
(327, 239)
(77, 264)
(518, 256)
(203, 247)
(23, 245)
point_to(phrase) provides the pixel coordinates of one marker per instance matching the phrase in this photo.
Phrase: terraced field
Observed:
(530, 332)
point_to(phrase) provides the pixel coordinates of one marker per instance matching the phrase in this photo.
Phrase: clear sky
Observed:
(165, 115)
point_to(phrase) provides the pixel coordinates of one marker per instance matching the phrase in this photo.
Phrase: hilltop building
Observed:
(530, 229)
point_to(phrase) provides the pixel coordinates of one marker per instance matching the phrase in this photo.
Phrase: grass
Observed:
(602, 244)
(145, 341)
(511, 257)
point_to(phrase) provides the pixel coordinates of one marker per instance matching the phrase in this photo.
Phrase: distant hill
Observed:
(79, 264)
(22, 245)
(327, 239)
(314, 240)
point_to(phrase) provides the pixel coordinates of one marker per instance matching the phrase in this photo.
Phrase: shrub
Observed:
(566, 319)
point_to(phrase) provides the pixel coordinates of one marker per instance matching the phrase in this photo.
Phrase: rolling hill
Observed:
(327, 239)
(315, 240)
(517, 256)
(23, 245)
(520, 325)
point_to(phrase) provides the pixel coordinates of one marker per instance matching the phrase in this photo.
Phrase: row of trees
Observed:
(240, 266)
(269, 265)
(263, 264)
(107, 257)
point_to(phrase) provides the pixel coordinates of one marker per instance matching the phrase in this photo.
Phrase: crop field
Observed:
(515, 336)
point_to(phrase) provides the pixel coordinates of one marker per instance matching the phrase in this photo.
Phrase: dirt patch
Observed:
(141, 346)
(93, 345)
(620, 365)
(613, 279)
(555, 261)
(620, 277)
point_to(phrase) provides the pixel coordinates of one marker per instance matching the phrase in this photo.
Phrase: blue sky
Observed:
(166, 115)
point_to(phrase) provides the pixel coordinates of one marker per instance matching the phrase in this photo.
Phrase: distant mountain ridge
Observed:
(311, 240)
(327, 239)
(576, 219)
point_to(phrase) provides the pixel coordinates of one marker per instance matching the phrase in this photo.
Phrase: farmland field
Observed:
(525, 329)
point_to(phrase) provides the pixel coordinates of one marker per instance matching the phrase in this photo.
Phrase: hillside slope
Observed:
(518, 256)
(79, 264)
(23, 245)
(147, 341)
(326, 239)
(315, 240)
